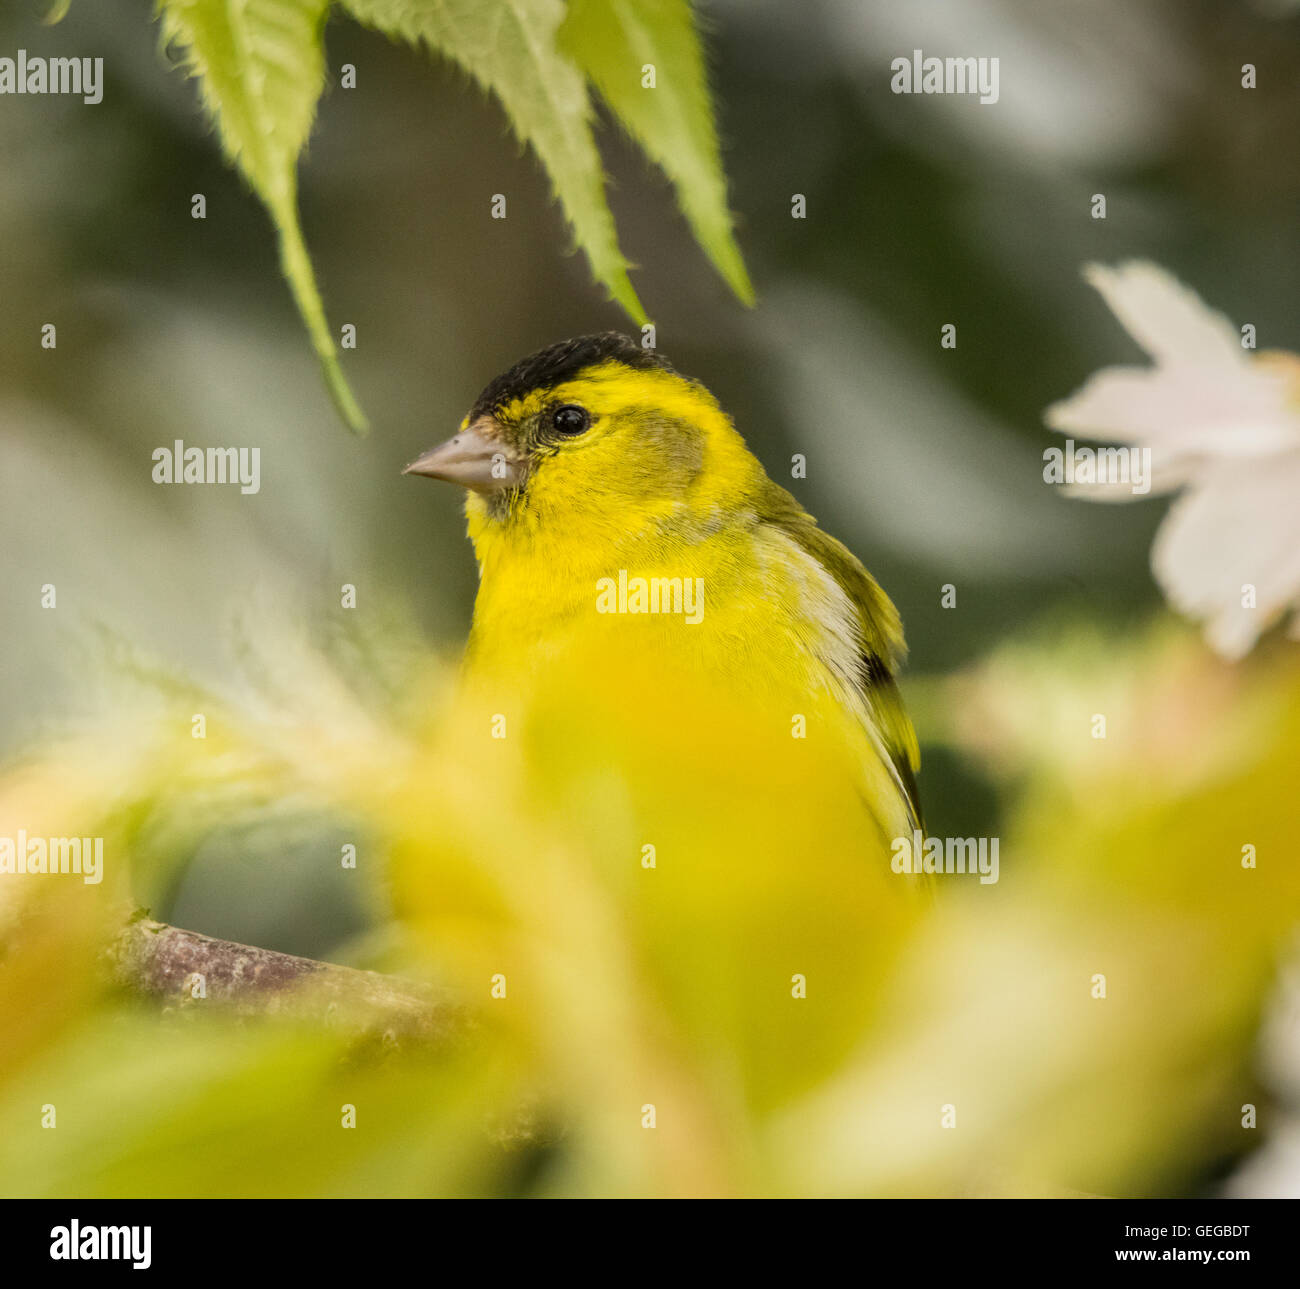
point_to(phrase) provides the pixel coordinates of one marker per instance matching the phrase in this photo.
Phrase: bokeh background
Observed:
(927, 462)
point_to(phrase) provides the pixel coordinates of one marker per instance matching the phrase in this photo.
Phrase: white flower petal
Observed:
(1173, 473)
(1238, 525)
(1169, 320)
(1222, 424)
(1240, 411)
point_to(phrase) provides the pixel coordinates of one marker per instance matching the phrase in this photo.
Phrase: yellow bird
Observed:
(623, 530)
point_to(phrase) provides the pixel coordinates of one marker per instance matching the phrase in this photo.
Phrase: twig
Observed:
(172, 965)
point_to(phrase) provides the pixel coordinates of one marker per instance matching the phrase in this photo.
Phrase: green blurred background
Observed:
(921, 211)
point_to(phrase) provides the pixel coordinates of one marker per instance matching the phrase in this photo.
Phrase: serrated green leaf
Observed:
(613, 41)
(510, 47)
(261, 69)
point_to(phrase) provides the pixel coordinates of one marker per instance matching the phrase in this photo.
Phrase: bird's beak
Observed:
(475, 459)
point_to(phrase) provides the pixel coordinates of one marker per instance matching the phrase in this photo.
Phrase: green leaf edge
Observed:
(295, 262)
(728, 260)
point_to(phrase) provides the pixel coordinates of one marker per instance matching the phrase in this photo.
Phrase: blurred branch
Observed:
(167, 963)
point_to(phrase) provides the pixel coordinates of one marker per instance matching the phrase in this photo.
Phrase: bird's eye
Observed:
(570, 419)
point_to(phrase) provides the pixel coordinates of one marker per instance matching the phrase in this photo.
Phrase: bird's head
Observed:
(594, 431)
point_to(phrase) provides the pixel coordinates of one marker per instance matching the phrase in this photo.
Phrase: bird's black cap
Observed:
(560, 361)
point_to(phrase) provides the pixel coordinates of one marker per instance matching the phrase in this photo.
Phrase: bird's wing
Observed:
(881, 635)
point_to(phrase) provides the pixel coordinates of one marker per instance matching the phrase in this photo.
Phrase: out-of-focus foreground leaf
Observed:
(1121, 858)
(197, 1105)
(759, 1010)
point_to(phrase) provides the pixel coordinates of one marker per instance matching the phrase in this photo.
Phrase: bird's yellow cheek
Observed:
(564, 482)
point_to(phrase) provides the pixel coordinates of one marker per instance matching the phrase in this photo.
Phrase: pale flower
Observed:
(1222, 426)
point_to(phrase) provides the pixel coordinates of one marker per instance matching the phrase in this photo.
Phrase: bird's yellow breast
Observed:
(744, 602)
(744, 613)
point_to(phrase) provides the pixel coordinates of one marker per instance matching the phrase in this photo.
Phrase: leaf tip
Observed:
(623, 293)
(344, 399)
(739, 281)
